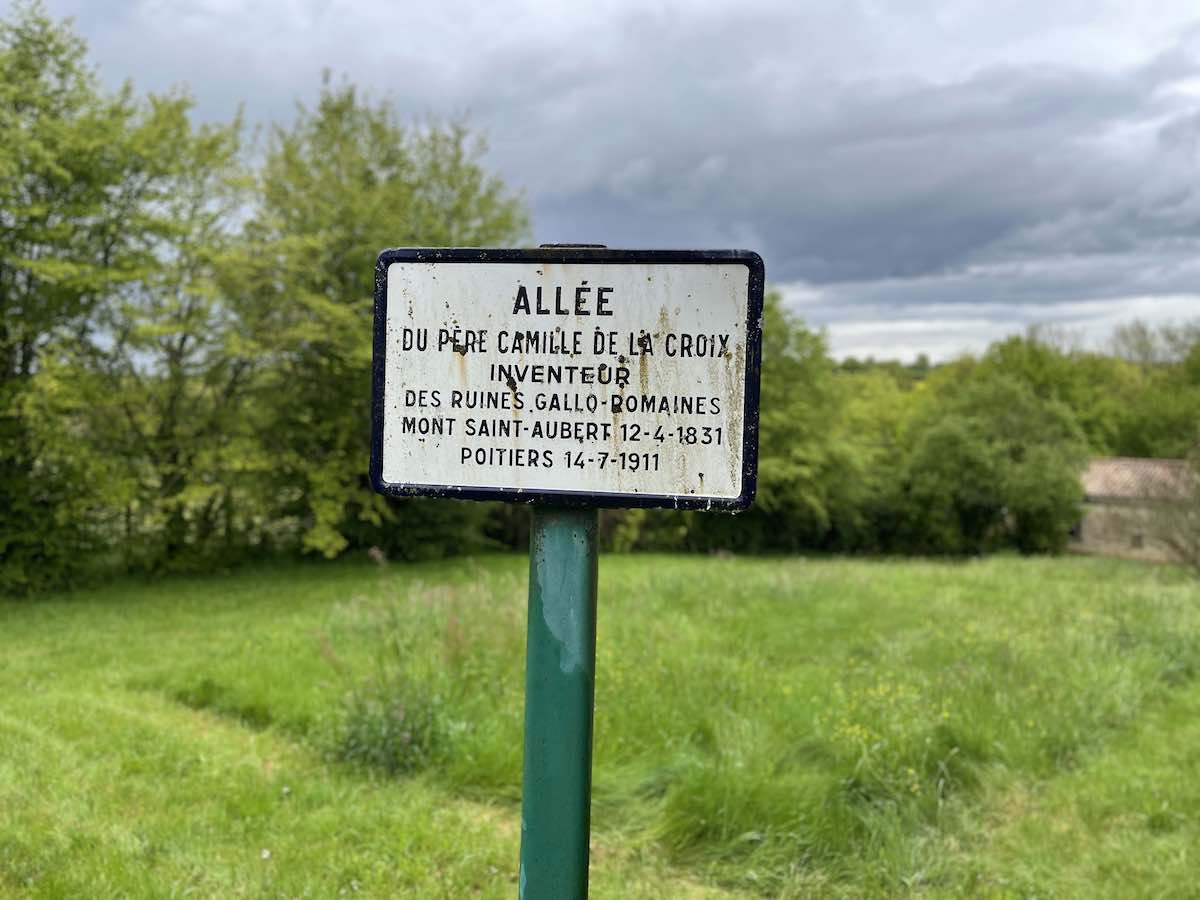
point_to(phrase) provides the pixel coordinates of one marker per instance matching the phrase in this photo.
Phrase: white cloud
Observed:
(942, 331)
(934, 173)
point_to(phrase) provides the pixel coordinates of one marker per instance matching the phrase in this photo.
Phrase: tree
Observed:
(1163, 418)
(1145, 345)
(989, 465)
(874, 407)
(1099, 390)
(156, 388)
(345, 181)
(798, 405)
(76, 167)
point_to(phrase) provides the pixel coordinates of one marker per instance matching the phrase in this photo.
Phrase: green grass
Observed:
(782, 728)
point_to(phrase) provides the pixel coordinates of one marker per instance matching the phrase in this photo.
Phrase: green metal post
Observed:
(560, 663)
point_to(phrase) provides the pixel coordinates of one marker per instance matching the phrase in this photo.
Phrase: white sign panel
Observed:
(574, 376)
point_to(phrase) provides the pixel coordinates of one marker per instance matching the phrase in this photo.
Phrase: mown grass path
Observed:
(772, 727)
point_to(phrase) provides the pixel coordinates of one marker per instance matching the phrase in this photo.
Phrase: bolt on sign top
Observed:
(568, 376)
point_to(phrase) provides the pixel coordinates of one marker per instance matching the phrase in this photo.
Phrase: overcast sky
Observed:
(918, 176)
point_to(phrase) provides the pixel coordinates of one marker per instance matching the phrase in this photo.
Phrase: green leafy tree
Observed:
(1163, 422)
(1163, 418)
(76, 167)
(875, 405)
(345, 181)
(991, 465)
(1099, 390)
(156, 389)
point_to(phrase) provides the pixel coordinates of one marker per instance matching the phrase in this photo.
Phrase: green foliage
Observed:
(801, 463)
(993, 465)
(79, 171)
(346, 180)
(156, 389)
(180, 327)
(969, 457)
(1097, 389)
(1163, 420)
(71, 168)
(185, 357)
(48, 537)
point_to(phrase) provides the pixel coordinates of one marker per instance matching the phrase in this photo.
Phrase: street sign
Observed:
(568, 376)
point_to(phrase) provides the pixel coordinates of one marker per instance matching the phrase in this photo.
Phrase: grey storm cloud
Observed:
(1012, 162)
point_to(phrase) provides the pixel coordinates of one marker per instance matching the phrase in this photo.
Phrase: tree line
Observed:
(184, 356)
(980, 454)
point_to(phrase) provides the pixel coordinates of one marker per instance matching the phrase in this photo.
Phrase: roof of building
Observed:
(1129, 479)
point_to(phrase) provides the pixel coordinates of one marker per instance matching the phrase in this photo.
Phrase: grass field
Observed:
(778, 728)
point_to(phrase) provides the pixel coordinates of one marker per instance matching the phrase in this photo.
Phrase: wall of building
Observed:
(1124, 530)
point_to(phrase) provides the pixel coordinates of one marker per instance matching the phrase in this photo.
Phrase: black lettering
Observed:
(602, 301)
(581, 293)
(522, 302)
(426, 425)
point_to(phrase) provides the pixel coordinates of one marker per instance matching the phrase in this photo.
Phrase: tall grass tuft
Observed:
(395, 718)
(392, 723)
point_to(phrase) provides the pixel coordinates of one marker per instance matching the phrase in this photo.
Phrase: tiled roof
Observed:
(1123, 478)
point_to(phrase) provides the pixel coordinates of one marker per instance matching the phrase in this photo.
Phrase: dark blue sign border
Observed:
(754, 266)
